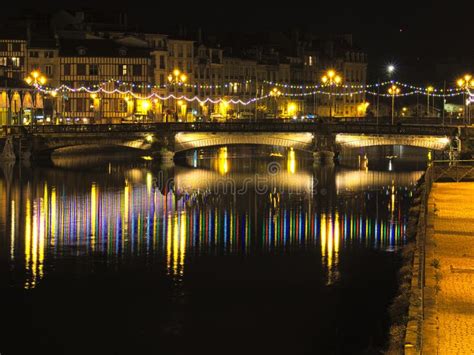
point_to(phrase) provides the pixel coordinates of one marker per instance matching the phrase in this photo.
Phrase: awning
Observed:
(4, 101)
(27, 100)
(39, 100)
(15, 102)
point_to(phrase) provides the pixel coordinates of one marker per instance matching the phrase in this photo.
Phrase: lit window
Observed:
(16, 62)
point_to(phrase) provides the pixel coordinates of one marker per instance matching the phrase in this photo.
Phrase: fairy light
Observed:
(349, 90)
(129, 93)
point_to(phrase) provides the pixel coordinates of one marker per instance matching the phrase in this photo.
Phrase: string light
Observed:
(129, 93)
(314, 89)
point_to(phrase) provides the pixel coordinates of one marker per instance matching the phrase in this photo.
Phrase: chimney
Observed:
(199, 35)
(28, 32)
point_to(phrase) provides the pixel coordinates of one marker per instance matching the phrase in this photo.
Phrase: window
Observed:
(122, 105)
(180, 50)
(137, 70)
(16, 47)
(67, 69)
(81, 69)
(123, 69)
(162, 62)
(48, 54)
(3, 61)
(93, 69)
(16, 62)
(162, 79)
(34, 54)
(80, 105)
(3, 47)
(48, 69)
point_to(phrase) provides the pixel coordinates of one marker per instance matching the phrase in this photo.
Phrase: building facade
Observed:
(268, 80)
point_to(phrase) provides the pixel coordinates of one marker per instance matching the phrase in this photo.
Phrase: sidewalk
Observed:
(449, 296)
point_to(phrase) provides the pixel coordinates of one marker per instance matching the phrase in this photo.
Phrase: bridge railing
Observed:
(357, 127)
(453, 170)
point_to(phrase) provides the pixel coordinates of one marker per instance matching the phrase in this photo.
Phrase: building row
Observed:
(268, 79)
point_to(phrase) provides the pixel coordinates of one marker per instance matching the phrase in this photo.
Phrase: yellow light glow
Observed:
(93, 96)
(176, 72)
(430, 89)
(467, 77)
(170, 77)
(35, 74)
(394, 90)
(291, 163)
(28, 80)
(223, 163)
(324, 79)
(291, 108)
(145, 105)
(54, 93)
(180, 102)
(183, 78)
(149, 138)
(331, 74)
(460, 82)
(42, 80)
(337, 79)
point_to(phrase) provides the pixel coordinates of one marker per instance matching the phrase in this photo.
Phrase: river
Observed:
(224, 253)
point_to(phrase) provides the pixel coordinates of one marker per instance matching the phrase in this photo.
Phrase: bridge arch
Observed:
(297, 141)
(89, 143)
(362, 141)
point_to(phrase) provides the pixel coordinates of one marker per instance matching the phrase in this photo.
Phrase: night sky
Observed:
(429, 42)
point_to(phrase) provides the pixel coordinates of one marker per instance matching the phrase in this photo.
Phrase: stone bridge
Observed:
(323, 139)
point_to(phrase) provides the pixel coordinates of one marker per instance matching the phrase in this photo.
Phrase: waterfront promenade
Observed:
(449, 295)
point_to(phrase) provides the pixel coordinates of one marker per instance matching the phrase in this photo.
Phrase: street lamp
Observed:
(390, 69)
(429, 90)
(177, 78)
(54, 95)
(332, 79)
(276, 94)
(466, 83)
(35, 79)
(393, 90)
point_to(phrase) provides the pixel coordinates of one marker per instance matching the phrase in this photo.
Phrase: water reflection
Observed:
(137, 210)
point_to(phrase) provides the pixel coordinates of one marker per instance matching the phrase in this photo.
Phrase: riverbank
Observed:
(405, 309)
(449, 313)
(440, 267)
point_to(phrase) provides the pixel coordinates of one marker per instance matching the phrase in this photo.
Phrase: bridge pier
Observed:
(166, 155)
(325, 157)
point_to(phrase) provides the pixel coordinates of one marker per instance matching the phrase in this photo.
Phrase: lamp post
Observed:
(429, 90)
(393, 90)
(466, 83)
(35, 79)
(275, 93)
(332, 79)
(54, 95)
(177, 78)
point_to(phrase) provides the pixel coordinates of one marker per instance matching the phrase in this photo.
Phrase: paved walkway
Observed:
(449, 312)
